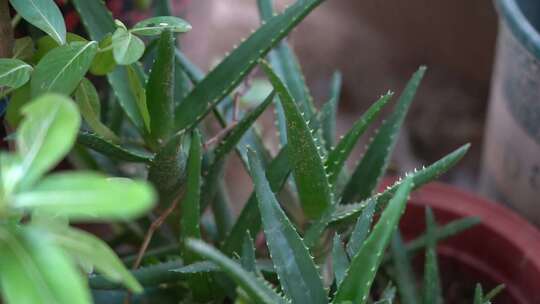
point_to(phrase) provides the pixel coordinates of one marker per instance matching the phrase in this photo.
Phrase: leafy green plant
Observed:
(330, 237)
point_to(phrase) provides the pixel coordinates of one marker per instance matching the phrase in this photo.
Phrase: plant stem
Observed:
(6, 31)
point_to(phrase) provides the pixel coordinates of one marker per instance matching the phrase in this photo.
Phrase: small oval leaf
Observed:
(127, 48)
(154, 26)
(14, 73)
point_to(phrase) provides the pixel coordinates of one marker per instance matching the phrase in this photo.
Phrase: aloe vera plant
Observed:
(309, 233)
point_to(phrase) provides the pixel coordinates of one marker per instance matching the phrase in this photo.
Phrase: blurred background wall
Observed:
(377, 45)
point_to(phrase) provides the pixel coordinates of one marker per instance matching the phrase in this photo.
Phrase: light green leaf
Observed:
(404, 275)
(14, 73)
(87, 99)
(160, 89)
(87, 196)
(63, 68)
(493, 293)
(103, 62)
(23, 48)
(127, 48)
(46, 43)
(113, 150)
(156, 25)
(306, 160)
(46, 134)
(432, 281)
(35, 271)
(139, 95)
(371, 168)
(478, 294)
(227, 75)
(294, 265)
(259, 290)
(337, 156)
(364, 265)
(340, 260)
(43, 14)
(98, 23)
(90, 249)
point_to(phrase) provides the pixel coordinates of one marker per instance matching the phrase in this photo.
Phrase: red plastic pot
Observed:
(503, 248)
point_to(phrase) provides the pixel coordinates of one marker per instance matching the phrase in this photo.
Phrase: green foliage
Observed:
(43, 14)
(327, 233)
(14, 73)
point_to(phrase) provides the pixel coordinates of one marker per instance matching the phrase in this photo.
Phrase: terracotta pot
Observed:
(503, 248)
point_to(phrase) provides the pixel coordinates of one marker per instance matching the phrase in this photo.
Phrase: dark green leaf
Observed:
(432, 284)
(87, 98)
(139, 93)
(337, 157)
(102, 145)
(14, 73)
(156, 25)
(375, 160)
(478, 294)
(259, 290)
(361, 230)
(404, 277)
(328, 114)
(360, 275)
(19, 98)
(160, 89)
(63, 68)
(294, 265)
(103, 62)
(340, 260)
(248, 254)
(43, 14)
(304, 153)
(23, 48)
(226, 76)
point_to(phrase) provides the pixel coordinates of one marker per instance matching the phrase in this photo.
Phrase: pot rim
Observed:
(519, 25)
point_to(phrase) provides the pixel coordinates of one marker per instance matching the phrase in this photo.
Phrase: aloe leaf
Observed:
(328, 113)
(104, 146)
(419, 177)
(294, 265)
(90, 249)
(190, 214)
(340, 260)
(249, 219)
(361, 273)
(388, 295)
(361, 230)
(43, 14)
(309, 173)
(337, 156)
(478, 294)
(34, 270)
(87, 99)
(372, 166)
(235, 135)
(46, 134)
(87, 196)
(259, 290)
(493, 293)
(98, 22)
(14, 73)
(63, 68)
(157, 25)
(160, 89)
(148, 276)
(247, 260)
(432, 284)
(404, 277)
(227, 75)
